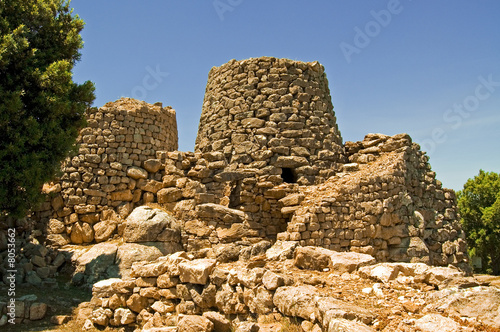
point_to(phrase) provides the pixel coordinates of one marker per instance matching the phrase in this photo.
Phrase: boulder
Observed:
(257, 249)
(227, 252)
(97, 263)
(236, 232)
(204, 299)
(56, 226)
(101, 316)
(147, 224)
(58, 240)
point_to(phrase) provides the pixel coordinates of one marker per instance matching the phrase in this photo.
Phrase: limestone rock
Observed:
(383, 272)
(129, 253)
(221, 323)
(272, 281)
(247, 327)
(482, 303)
(194, 323)
(311, 258)
(103, 230)
(101, 316)
(344, 325)
(293, 199)
(210, 210)
(168, 195)
(136, 303)
(58, 240)
(166, 281)
(110, 287)
(230, 300)
(227, 252)
(436, 322)
(235, 232)
(95, 262)
(330, 308)
(281, 250)
(297, 301)
(152, 165)
(147, 224)
(349, 261)
(259, 300)
(38, 311)
(196, 271)
(153, 269)
(137, 173)
(56, 226)
(204, 299)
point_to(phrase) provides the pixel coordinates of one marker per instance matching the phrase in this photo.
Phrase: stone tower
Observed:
(272, 112)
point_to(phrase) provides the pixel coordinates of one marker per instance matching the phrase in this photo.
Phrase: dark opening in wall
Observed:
(234, 197)
(288, 175)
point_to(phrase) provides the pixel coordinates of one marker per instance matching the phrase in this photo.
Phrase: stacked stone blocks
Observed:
(269, 163)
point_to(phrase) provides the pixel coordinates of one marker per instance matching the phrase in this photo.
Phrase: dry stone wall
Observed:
(114, 170)
(269, 163)
(387, 204)
(272, 112)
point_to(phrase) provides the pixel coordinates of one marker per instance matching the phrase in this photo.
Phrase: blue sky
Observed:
(427, 68)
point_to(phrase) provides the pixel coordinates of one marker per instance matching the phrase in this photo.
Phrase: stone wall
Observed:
(387, 204)
(272, 112)
(114, 169)
(269, 163)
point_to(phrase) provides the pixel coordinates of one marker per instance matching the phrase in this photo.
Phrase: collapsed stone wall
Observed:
(387, 204)
(113, 171)
(272, 112)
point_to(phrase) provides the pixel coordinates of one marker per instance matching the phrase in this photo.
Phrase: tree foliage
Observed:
(479, 205)
(41, 108)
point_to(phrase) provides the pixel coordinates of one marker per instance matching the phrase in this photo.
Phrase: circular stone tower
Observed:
(272, 112)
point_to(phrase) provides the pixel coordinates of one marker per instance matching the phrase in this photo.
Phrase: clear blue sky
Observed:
(427, 68)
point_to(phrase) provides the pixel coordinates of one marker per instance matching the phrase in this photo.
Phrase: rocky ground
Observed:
(313, 290)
